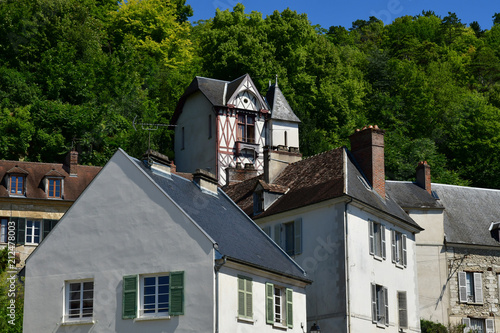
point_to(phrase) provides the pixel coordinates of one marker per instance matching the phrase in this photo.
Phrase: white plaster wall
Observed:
(323, 260)
(200, 151)
(120, 225)
(431, 264)
(364, 269)
(277, 129)
(228, 294)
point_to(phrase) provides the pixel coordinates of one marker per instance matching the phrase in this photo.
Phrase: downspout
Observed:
(218, 264)
(346, 249)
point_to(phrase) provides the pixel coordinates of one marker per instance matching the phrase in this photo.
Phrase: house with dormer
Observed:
(332, 214)
(226, 124)
(146, 250)
(34, 196)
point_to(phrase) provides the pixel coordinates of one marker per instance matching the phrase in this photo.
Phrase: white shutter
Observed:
(466, 322)
(393, 246)
(490, 326)
(462, 287)
(478, 287)
(382, 230)
(372, 237)
(298, 236)
(374, 303)
(405, 259)
(386, 306)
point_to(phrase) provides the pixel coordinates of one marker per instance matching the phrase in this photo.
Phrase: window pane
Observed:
(149, 290)
(163, 279)
(149, 281)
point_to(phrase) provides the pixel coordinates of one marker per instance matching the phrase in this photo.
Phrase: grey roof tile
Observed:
(280, 109)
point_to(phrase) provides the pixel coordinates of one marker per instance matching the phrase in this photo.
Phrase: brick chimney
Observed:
(72, 162)
(276, 161)
(239, 174)
(424, 176)
(367, 146)
(205, 180)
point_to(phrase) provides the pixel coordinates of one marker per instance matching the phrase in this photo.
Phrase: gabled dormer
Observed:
(53, 183)
(264, 195)
(244, 95)
(16, 181)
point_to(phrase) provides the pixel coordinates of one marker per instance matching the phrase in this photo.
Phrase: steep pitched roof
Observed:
(237, 236)
(35, 173)
(280, 109)
(316, 179)
(469, 213)
(410, 195)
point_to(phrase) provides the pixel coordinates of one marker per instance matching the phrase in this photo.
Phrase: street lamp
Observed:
(315, 328)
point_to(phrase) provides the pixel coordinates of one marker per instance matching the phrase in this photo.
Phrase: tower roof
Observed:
(280, 109)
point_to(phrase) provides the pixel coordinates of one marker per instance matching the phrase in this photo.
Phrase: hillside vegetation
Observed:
(76, 73)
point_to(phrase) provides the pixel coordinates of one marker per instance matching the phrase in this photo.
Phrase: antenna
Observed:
(149, 127)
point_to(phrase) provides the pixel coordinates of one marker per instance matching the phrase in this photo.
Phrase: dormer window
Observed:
(246, 128)
(17, 185)
(258, 201)
(54, 188)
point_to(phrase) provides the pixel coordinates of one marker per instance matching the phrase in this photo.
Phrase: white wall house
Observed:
(331, 214)
(144, 250)
(227, 124)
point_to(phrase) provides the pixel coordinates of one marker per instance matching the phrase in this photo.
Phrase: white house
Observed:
(330, 212)
(222, 124)
(145, 250)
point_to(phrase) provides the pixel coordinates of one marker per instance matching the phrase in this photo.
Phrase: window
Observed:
(3, 230)
(17, 185)
(470, 285)
(246, 128)
(398, 241)
(380, 306)
(245, 301)
(289, 236)
(477, 325)
(279, 305)
(32, 232)
(79, 301)
(402, 309)
(153, 296)
(377, 239)
(54, 188)
(258, 202)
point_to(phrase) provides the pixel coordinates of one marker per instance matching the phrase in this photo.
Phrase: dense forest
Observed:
(76, 73)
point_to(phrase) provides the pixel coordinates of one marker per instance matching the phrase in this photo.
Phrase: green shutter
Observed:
(176, 293)
(289, 308)
(269, 303)
(245, 302)
(129, 309)
(48, 225)
(21, 230)
(241, 297)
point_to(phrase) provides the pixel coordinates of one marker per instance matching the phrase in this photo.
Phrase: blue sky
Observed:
(343, 12)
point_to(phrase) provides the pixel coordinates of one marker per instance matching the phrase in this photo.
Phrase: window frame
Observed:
(402, 309)
(245, 130)
(4, 230)
(377, 243)
(399, 248)
(142, 294)
(35, 225)
(281, 239)
(380, 305)
(15, 185)
(470, 287)
(285, 306)
(81, 317)
(60, 186)
(487, 323)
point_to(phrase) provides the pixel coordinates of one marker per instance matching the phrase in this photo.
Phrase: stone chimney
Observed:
(367, 146)
(158, 162)
(424, 176)
(275, 161)
(239, 174)
(205, 180)
(72, 162)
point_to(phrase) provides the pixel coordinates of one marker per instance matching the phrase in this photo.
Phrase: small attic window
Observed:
(495, 230)
(258, 202)
(364, 182)
(435, 195)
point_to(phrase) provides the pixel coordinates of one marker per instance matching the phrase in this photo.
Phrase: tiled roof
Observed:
(36, 172)
(280, 109)
(237, 236)
(316, 179)
(410, 195)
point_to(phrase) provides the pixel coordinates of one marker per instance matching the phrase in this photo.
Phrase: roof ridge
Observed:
(212, 79)
(467, 187)
(315, 155)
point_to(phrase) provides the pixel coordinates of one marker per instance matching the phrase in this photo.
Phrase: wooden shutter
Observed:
(466, 322)
(21, 230)
(289, 308)
(48, 225)
(374, 303)
(249, 298)
(478, 287)
(245, 297)
(241, 297)
(297, 246)
(372, 236)
(403, 309)
(405, 259)
(277, 234)
(462, 287)
(129, 307)
(382, 237)
(490, 326)
(269, 303)
(176, 293)
(393, 246)
(386, 306)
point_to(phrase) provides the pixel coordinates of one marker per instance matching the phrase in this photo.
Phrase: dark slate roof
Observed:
(237, 236)
(36, 172)
(410, 195)
(280, 109)
(469, 213)
(316, 179)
